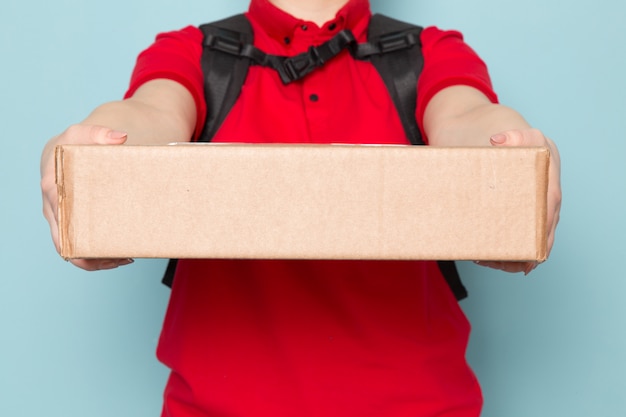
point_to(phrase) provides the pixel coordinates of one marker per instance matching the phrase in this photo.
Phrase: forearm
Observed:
(144, 123)
(462, 116)
(161, 111)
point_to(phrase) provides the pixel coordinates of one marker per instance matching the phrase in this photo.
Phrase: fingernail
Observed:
(116, 134)
(529, 268)
(107, 264)
(498, 139)
(114, 263)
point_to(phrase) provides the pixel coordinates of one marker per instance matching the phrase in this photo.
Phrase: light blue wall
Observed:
(74, 343)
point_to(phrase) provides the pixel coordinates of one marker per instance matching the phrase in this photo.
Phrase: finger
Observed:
(51, 217)
(100, 264)
(555, 194)
(49, 199)
(553, 220)
(512, 267)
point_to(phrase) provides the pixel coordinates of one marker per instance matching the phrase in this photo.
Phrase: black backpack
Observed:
(393, 47)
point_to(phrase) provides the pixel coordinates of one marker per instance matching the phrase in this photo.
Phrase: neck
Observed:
(317, 11)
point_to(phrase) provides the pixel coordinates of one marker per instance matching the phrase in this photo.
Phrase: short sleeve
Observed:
(449, 61)
(174, 56)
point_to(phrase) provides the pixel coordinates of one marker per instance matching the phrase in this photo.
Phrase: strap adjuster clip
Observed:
(396, 41)
(224, 43)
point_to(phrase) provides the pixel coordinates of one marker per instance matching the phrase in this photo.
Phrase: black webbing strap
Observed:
(451, 274)
(399, 61)
(393, 47)
(395, 50)
(168, 275)
(288, 68)
(223, 68)
(225, 72)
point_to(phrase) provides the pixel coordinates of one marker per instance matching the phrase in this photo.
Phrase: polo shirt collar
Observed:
(281, 25)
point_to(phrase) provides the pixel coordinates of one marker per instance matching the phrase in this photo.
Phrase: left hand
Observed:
(533, 137)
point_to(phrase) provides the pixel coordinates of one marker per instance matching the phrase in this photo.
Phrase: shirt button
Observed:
(314, 98)
(287, 40)
(304, 27)
(332, 26)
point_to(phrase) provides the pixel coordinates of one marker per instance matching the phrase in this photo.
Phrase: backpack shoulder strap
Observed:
(224, 70)
(397, 56)
(224, 75)
(399, 62)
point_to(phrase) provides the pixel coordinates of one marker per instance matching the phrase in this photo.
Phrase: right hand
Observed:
(75, 135)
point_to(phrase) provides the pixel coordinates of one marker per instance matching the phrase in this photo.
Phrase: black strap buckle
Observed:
(296, 67)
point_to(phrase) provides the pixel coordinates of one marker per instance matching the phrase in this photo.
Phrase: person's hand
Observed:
(79, 135)
(533, 137)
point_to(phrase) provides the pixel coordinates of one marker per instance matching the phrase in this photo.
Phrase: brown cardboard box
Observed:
(302, 201)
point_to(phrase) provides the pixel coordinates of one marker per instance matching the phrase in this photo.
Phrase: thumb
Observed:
(525, 137)
(498, 139)
(117, 136)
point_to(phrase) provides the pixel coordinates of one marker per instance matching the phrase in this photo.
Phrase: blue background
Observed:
(74, 343)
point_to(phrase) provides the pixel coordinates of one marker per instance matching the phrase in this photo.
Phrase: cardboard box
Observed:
(302, 202)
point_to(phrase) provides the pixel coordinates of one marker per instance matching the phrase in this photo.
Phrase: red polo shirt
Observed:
(314, 338)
